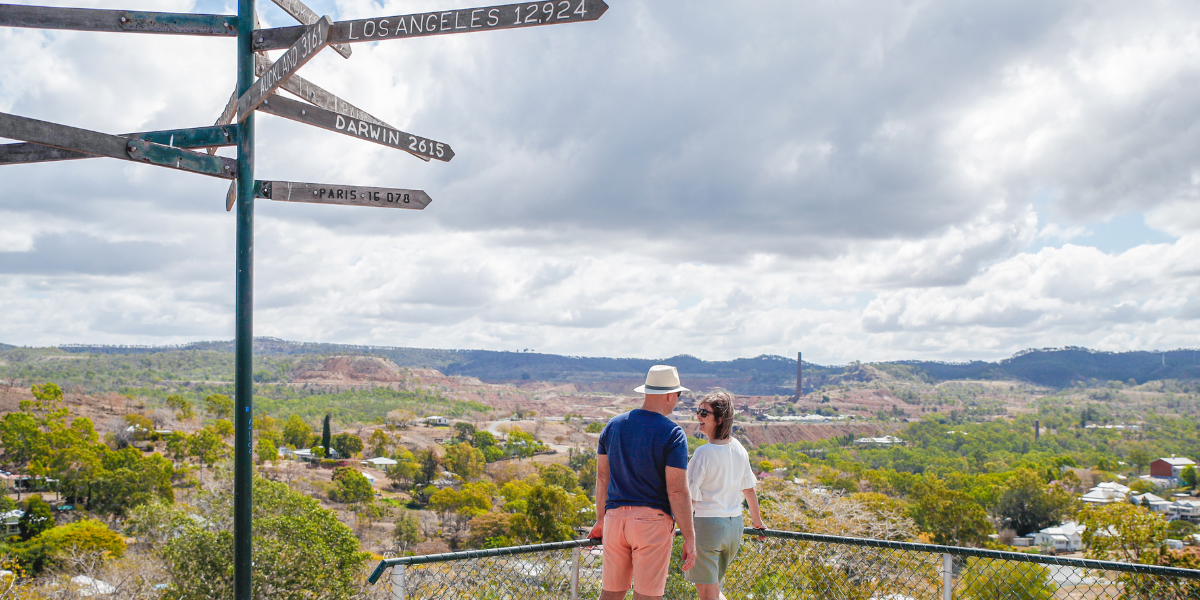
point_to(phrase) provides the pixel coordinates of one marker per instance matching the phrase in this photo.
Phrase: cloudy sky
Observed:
(854, 180)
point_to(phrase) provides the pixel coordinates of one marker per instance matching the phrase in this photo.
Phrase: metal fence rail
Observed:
(785, 565)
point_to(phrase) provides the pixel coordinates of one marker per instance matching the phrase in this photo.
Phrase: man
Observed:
(641, 483)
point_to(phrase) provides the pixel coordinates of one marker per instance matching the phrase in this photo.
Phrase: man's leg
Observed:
(709, 591)
(607, 595)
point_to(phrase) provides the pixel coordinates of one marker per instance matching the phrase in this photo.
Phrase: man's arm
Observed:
(681, 508)
(601, 495)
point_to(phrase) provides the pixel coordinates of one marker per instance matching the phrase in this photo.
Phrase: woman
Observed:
(718, 476)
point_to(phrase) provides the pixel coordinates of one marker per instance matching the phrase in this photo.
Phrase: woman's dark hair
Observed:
(722, 408)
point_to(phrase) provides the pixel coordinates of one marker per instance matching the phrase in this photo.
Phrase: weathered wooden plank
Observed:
(231, 196)
(379, 134)
(198, 137)
(128, 21)
(305, 15)
(114, 146)
(316, 37)
(314, 94)
(354, 195)
(464, 20)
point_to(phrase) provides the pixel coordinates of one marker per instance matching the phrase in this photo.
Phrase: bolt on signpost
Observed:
(45, 142)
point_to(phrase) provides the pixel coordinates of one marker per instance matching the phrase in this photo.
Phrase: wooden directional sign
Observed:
(199, 137)
(301, 12)
(91, 19)
(316, 36)
(114, 146)
(463, 20)
(355, 195)
(319, 117)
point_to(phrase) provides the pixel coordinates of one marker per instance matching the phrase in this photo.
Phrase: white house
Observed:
(1067, 537)
(1157, 504)
(886, 440)
(1106, 493)
(1188, 510)
(12, 520)
(437, 421)
(380, 462)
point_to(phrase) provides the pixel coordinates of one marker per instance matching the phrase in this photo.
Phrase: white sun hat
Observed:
(662, 379)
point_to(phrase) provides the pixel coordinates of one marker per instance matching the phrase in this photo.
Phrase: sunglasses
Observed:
(703, 412)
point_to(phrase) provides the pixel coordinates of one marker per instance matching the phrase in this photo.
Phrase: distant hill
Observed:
(761, 375)
(1061, 367)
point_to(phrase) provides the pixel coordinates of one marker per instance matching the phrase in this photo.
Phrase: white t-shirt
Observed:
(716, 476)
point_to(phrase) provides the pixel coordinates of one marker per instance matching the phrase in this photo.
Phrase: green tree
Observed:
(1123, 532)
(951, 516)
(466, 461)
(998, 580)
(223, 428)
(206, 445)
(560, 475)
(219, 406)
(1026, 504)
(405, 469)
(1138, 457)
(296, 432)
(87, 535)
(1189, 476)
(38, 517)
(464, 432)
(128, 479)
(491, 530)
(587, 477)
(181, 406)
(427, 466)
(550, 514)
(378, 443)
(347, 444)
(473, 499)
(483, 440)
(325, 435)
(267, 428)
(521, 444)
(266, 450)
(407, 532)
(298, 546)
(594, 427)
(351, 486)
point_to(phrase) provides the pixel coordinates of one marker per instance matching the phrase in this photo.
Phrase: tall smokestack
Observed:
(799, 376)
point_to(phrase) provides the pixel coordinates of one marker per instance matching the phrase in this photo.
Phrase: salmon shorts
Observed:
(637, 547)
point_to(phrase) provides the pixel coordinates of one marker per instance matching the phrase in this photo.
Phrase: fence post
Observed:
(575, 573)
(398, 582)
(947, 577)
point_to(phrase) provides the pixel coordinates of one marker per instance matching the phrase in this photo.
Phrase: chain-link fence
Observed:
(783, 565)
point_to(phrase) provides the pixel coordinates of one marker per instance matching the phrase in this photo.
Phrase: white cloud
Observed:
(852, 180)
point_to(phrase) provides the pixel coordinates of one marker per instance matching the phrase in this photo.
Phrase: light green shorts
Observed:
(717, 541)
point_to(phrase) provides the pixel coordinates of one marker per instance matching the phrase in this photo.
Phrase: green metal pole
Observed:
(243, 465)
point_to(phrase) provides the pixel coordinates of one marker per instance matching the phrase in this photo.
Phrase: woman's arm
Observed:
(752, 502)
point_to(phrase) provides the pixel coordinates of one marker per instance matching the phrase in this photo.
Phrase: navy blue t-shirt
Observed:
(640, 445)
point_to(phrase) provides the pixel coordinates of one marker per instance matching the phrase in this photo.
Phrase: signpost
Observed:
(50, 142)
(95, 143)
(199, 137)
(316, 36)
(487, 18)
(327, 193)
(306, 16)
(379, 134)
